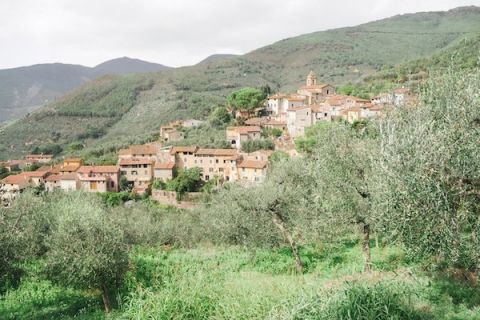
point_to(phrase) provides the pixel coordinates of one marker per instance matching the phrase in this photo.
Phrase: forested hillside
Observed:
(25, 89)
(340, 56)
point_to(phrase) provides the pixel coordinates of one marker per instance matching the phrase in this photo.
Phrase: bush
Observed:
(259, 144)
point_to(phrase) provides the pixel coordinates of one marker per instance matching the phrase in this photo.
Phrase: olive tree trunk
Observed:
(366, 247)
(106, 299)
(278, 221)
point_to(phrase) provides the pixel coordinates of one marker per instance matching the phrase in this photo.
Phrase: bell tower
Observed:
(311, 79)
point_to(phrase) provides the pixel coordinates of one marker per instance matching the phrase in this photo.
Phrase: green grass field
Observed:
(237, 283)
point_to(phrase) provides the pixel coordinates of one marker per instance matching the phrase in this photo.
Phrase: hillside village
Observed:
(139, 166)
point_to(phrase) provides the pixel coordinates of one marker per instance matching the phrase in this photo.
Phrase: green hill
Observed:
(25, 89)
(113, 111)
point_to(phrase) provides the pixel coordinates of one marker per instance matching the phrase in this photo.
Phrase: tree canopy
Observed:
(246, 99)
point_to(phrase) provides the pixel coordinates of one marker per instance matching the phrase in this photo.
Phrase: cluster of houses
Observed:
(316, 102)
(140, 165)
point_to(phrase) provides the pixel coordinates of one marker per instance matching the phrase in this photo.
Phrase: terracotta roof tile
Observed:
(253, 164)
(165, 165)
(216, 152)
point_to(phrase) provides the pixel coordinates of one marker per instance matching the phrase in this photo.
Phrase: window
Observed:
(207, 178)
(134, 173)
(93, 185)
(216, 160)
(144, 165)
(220, 169)
(243, 169)
(210, 169)
(326, 114)
(195, 161)
(227, 178)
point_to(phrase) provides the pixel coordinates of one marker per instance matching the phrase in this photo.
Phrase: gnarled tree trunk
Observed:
(106, 299)
(278, 221)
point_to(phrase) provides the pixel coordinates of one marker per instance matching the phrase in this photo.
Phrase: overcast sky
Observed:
(174, 32)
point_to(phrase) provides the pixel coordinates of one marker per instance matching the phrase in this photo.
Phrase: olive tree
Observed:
(86, 249)
(342, 170)
(269, 214)
(428, 172)
(23, 229)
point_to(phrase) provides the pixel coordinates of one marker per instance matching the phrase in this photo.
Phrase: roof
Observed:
(165, 165)
(253, 164)
(320, 108)
(15, 179)
(71, 167)
(139, 150)
(298, 108)
(216, 152)
(245, 129)
(277, 96)
(73, 160)
(128, 162)
(53, 178)
(36, 174)
(98, 169)
(296, 98)
(68, 176)
(175, 150)
(402, 90)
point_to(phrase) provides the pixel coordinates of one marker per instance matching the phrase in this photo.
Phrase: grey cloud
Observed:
(177, 32)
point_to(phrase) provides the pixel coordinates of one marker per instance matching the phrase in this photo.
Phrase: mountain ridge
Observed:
(24, 89)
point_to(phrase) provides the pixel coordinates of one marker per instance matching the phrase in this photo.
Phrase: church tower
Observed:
(311, 79)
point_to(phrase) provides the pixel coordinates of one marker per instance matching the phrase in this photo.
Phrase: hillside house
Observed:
(99, 178)
(146, 151)
(37, 178)
(164, 171)
(42, 158)
(138, 172)
(298, 119)
(12, 186)
(71, 165)
(252, 171)
(403, 97)
(10, 165)
(220, 163)
(238, 135)
(52, 182)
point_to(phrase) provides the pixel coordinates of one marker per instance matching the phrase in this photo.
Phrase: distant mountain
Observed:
(24, 89)
(114, 111)
(217, 57)
(127, 65)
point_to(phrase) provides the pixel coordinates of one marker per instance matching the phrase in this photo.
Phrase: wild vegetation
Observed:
(378, 220)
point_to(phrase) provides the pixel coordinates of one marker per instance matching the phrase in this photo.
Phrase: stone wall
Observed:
(189, 200)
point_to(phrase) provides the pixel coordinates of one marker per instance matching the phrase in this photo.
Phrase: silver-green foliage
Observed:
(428, 172)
